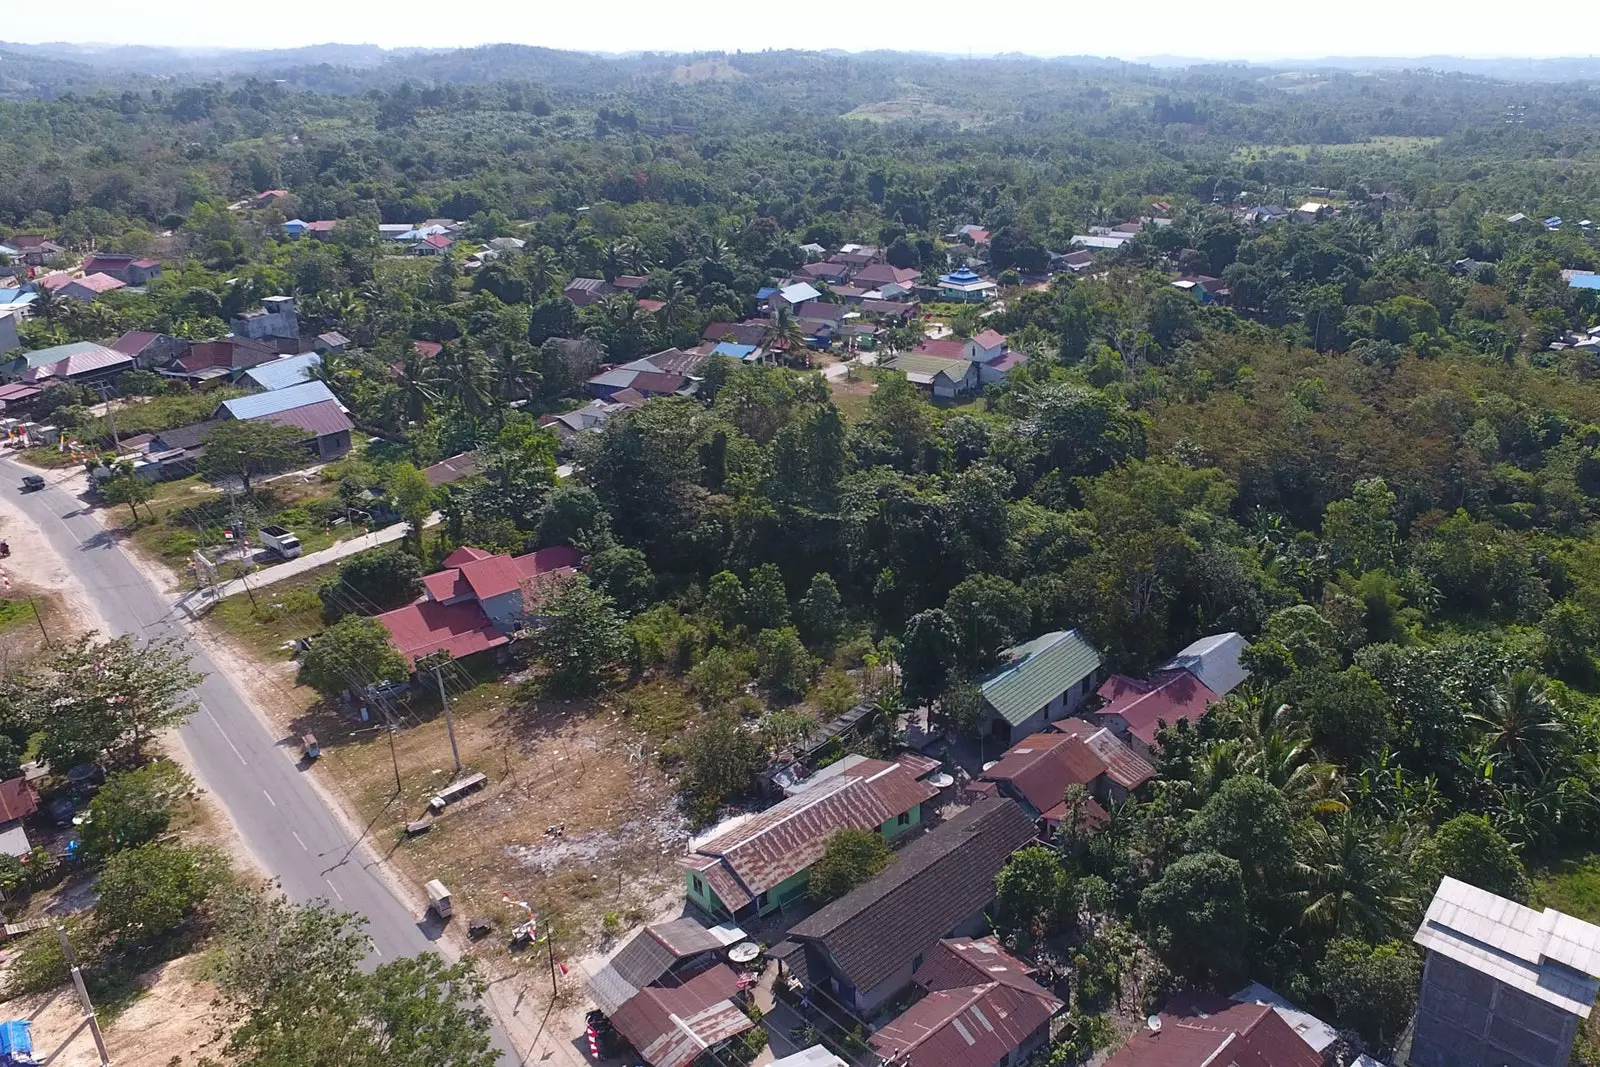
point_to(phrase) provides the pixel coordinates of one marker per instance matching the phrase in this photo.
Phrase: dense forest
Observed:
(1380, 461)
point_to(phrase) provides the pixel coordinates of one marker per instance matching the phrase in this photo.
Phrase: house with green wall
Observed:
(764, 862)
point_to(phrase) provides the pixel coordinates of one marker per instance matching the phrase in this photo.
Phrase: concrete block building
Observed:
(1504, 985)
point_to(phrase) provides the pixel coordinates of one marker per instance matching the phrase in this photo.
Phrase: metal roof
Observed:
(282, 373)
(1038, 672)
(1215, 661)
(317, 420)
(61, 352)
(1546, 954)
(278, 400)
(789, 837)
(815, 1056)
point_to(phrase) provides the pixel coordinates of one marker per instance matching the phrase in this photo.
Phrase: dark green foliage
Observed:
(370, 583)
(353, 653)
(849, 858)
(581, 641)
(1469, 849)
(147, 892)
(134, 807)
(1196, 917)
(1372, 988)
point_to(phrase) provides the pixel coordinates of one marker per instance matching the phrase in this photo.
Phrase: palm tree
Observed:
(417, 390)
(621, 325)
(513, 369)
(1358, 879)
(463, 378)
(676, 304)
(785, 332)
(47, 303)
(542, 269)
(1519, 724)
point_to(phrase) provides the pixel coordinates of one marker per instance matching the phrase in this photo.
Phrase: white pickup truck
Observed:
(281, 541)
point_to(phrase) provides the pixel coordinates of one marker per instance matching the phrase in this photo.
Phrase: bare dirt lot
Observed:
(173, 1021)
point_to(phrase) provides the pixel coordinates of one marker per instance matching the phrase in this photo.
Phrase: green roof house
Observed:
(1040, 682)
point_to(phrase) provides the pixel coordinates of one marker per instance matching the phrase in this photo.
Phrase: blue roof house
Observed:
(282, 373)
(294, 227)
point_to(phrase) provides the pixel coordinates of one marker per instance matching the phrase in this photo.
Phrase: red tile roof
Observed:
(318, 420)
(491, 577)
(453, 469)
(1166, 696)
(236, 353)
(880, 274)
(424, 628)
(106, 261)
(964, 961)
(975, 1026)
(990, 339)
(651, 305)
(16, 800)
(649, 383)
(465, 554)
(427, 349)
(548, 561)
(1245, 1035)
(631, 281)
(437, 240)
(1041, 767)
(101, 283)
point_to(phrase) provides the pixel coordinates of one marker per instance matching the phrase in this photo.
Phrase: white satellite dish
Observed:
(1153, 1022)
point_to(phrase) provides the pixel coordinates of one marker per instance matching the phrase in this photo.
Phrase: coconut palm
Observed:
(463, 379)
(677, 303)
(1519, 725)
(1358, 879)
(785, 334)
(416, 389)
(513, 372)
(621, 325)
(542, 268)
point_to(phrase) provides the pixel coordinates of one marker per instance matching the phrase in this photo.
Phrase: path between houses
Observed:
(311, 561)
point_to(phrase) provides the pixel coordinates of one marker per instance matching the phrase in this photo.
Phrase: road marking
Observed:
(226, 738)
(378, 950)
(335, 890)
(274, 803)
(297, 839)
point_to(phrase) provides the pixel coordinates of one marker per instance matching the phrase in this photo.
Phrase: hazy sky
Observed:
(1244, 29)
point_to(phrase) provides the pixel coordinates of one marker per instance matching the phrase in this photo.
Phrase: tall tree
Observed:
(114, 696)
(250, 449)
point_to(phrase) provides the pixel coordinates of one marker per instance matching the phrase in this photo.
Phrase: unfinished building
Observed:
(1504, 985)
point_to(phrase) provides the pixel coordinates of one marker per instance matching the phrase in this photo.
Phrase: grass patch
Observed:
(13, 613)
(48, 459)
(1570, 884)
(164, 412)
(280, 613)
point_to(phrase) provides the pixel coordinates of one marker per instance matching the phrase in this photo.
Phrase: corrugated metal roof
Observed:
(1145, 703)
(1038, 672)
(975, 1026)
(815, 1056)
(671, 1026)
(278, 400)
(317, 420)
(282, 373)
(1215, 661)
(60, 352)
(789, 837)
(1548, 955)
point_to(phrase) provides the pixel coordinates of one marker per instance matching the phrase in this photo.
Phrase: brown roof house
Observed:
(586, 291)
(872, 943)
(762, 862)
(1235, 1035)
(669, 993)
(150, 349)
(982, 1008)
(1037, 770)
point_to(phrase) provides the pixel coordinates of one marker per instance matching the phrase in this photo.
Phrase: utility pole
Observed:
(40, 620)
(449, 720)
(550, 943)
(89, 1019)
(104, 389)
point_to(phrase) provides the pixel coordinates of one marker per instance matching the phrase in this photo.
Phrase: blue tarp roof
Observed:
(16, 1041)
(1585, 281)
(295, 396)
(764, 292)
(282, 373)
(727, 348)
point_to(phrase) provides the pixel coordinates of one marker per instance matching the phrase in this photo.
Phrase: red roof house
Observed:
(16, 800)
(1241, 1035)
(493, 595)
(1136, 707)
(982, 1008)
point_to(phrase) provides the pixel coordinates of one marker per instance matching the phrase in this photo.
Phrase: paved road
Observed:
(281, 818)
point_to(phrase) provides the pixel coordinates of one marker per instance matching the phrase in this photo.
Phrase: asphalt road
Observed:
(255, 775)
